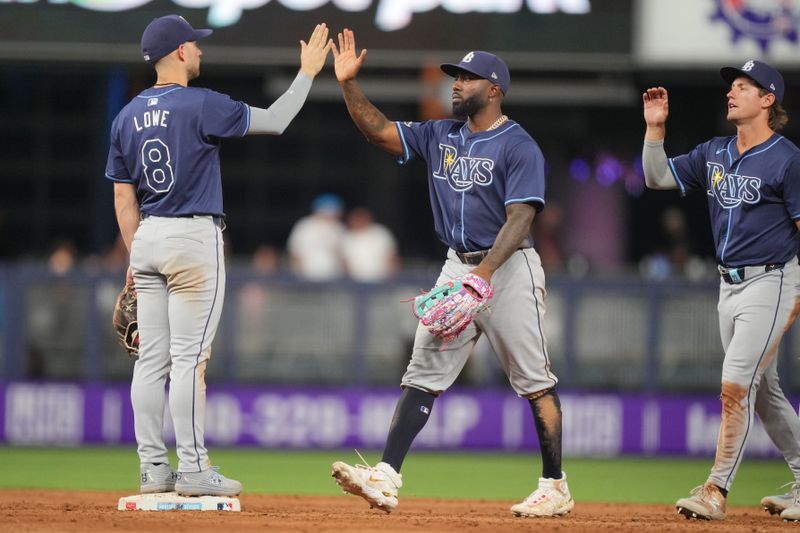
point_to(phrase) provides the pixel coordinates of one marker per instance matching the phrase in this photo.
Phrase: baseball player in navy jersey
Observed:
(486, 182)
(164, 162)
(752, 184)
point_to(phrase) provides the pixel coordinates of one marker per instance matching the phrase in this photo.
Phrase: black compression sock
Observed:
(410, 416)
(723, 491)
(546, 411)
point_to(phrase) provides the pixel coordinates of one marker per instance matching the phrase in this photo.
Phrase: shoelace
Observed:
(366, 466)
(699, 490)
(794, 491)
(705, 494)
(215, 476)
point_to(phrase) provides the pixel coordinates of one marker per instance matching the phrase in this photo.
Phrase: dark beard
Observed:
(467, 107)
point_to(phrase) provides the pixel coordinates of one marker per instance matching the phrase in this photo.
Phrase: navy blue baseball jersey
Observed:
(753, 198)
(166, 142)
(472, 177)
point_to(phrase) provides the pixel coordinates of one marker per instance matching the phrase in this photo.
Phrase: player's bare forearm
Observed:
(367, 117)
(655, 133)
(126, 206)
(378, 129)
(519, 218)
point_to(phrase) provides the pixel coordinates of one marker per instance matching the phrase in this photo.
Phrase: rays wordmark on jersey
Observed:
(731, 190)
(462, 172)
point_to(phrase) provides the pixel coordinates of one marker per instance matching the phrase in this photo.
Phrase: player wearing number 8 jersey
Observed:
(752, 183)
(164, 162)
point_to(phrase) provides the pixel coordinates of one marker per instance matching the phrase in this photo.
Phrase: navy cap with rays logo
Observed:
(165, 34)
(483, 64)
(764, 75)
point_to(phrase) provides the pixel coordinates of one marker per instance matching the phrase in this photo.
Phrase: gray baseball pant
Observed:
(179, 273)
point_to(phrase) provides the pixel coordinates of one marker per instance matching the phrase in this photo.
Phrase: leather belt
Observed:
(218, 220)
(475, 258)
(472, 258)
(738, 275)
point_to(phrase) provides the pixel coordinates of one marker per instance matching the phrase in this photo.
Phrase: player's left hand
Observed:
(346, 62)
(484, 272)
(314, 53)
(448, 309)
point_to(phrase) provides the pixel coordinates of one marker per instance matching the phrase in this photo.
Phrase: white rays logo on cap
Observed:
(747, 67)
(468, 57)
(494, 75)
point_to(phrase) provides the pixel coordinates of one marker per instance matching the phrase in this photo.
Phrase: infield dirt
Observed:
(50, 510)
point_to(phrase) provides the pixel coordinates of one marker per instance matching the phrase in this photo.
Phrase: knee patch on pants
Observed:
(731, 396)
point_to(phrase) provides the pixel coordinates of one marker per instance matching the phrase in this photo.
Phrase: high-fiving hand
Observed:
(313, 54)
(656, 106)
(346, 62)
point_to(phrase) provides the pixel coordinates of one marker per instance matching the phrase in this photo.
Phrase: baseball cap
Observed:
(164, 34)
(327, 203)
(761, 73)
(483, 64)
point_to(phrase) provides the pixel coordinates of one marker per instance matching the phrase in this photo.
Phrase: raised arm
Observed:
(378, 130)
(275, 119)
(657, 174)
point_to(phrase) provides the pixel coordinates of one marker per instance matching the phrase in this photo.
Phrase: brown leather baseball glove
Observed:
(125, 321)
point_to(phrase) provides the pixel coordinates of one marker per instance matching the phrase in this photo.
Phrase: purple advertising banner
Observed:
(595, 425)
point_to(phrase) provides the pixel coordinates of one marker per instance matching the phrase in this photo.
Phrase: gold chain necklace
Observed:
(497, 123)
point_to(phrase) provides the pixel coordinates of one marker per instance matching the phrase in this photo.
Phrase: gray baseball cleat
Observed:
(206, 483)
(156, 478)
(776, 504)
(791, 513)
(705, 503)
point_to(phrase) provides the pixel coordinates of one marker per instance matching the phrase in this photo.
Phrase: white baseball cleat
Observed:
(551, 498)
(377, 484)
(705, 503)
(776, 504)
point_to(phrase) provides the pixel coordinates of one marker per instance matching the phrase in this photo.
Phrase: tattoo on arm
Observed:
(511, 236)
(367, 117)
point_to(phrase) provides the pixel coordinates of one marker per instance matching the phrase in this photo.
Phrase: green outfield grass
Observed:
(438, 475)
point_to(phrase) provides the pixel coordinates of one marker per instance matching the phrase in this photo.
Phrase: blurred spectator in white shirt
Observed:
(315, 240)
(368, 248)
